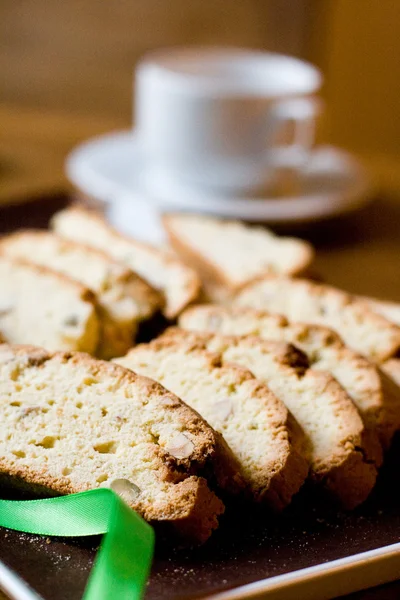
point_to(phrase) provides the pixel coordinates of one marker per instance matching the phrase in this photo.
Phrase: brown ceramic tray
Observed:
(251, 555)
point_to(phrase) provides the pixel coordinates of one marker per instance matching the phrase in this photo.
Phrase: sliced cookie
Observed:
(392, 368)
(178, 282)
(337, 445)
(254, 423)
(389, 310)
(70, 423)
(124, 299)
(40, 306)
(376, 397)
(231, 253)
(302, 300)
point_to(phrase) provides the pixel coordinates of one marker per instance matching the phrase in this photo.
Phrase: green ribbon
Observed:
(123, 562)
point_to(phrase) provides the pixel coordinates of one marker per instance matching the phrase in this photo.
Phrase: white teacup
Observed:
(212, 117)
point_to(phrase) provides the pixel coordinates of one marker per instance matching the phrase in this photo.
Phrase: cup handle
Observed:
(303, 113)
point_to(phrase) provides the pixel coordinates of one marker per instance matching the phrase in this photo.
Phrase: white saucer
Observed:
(110, 168)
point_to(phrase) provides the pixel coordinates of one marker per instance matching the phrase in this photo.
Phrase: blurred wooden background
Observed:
(66, 70)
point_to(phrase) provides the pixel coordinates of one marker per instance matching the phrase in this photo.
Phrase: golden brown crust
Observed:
(303, 300)
(375, 397)
(351, 469)
(84, 292)
(141, 288)
(226, 474)
(191, 507)
(196, 524)
(277, 487)
(389, 310)
(192, 283)
(89, 335)
(209, 271)
(193, 421)
(124, 300)
(286, 354)
(224, 466)
(392, 368)
(214, 314)
(386, 418)
(34, 356)
(192, 515)
(354, 479)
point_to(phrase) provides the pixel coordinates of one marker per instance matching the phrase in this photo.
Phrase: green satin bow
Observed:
(123, 562)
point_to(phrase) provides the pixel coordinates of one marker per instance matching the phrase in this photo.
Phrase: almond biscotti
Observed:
(40, 306)
(179, 283)
(232, 253)
(375, 395)
(70, 423)
(337, 445)
(392, 368)
(252, 420)
(389, 310)
(124, 299)
(302, 300)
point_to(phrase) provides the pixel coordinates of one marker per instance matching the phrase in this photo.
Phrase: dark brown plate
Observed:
(249, 546)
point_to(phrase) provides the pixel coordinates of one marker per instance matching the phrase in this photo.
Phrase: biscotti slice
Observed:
(375, 396)
(40, 306)
(392, 368)
(252, 420)
(179, 283)
(232, 253)
(389, 310)
(124, 299)
(302, 300)
(337, 445)
(215, 293)
(70, 423)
